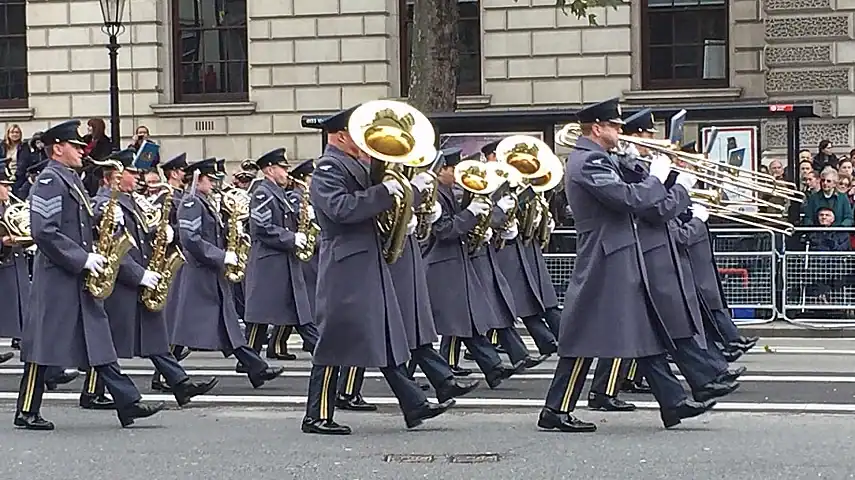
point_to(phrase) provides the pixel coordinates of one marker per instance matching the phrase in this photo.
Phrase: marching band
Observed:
(372, 253)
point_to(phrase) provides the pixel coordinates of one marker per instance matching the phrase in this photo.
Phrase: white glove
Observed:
(231, 259)
(687, 180)
(170, 234)
(95, 263)
(422, 181)
(149, 279)
(300, 239)
(394, 188)
(411, 227)
(700, 212)
(488, 235)
(506, 203)
(118, 216)
(551, 225)
(478, 208)
(510, 233)
(435, 212)
(660, 167)
(311, 212)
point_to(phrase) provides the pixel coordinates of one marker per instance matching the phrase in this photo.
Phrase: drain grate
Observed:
(397, 458)
(454, 458)
(474, 458)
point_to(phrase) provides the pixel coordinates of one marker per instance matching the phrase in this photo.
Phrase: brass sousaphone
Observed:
(396, 135)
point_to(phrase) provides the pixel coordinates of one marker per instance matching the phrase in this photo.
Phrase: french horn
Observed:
(394, 134)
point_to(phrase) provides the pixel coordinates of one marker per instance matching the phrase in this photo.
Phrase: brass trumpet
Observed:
(394, 134)
(480, 180)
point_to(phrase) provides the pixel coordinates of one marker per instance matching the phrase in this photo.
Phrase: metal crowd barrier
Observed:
(747, 264)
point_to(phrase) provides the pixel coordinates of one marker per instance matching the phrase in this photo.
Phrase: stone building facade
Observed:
(231, 78)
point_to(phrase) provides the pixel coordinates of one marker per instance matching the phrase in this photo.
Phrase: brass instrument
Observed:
(112, 246)
(165, 265)
(480, 180)
(721, 178)
(393, 133)
(432, 161)
(306, 225)
(15, 222)
(151, 212)
(542, 185)
(235, 202)
(514, 179)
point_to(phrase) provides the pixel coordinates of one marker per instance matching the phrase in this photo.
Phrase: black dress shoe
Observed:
(158, 385)
(138, 410)
(424, 386)
(355, 403)
(531, 362)
(732, 355)
(241, 368)
(266, 375)
(551, 420)
(184, 353)
(6, 356)
(454, 388)
(460, 372)
(468, 356)
(96, 402)
(186, 390)
(714, 390)
(749, 340)
(61, 379)
(281, 356)
(32, 421)
(502, 372)
(426, 411)
(500, 349)
(740, 347)
(598, 401)
(731, 375)
(324, 427)
(633, 387)
(16, 344)
(308, 349)
(685, 409)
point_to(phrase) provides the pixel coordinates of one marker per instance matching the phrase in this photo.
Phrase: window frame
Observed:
(670, 84)
(25, 100)
(177, 65)
(472, 88)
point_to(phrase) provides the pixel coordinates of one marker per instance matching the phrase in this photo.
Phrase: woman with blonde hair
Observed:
(12, 141)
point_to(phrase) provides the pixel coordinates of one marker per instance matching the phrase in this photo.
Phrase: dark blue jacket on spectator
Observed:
(837, 203)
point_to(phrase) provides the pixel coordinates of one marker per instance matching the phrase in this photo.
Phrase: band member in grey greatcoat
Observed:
(358, 316)
(66, 324)
(610, 266)
(461, 311)
(276, 291)
(138, 331)
(14, 274)
(206, 317)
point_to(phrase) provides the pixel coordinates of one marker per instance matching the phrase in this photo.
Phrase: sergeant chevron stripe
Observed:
(46, 207)
(191, 225)
(261, 216)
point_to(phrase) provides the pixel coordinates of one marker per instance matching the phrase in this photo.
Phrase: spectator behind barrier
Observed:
(844, 167)
(824, 157)
(828, 197)
(805, 169)
(827, 241)
(811, 183)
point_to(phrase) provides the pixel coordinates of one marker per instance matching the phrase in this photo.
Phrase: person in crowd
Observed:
(12, 144)
(776, 169)
(140, 136)
(844, 166)
(98, 144)
(828, 197)
(805, 168)
(805, 155)
(825, 157)
(844, 184)
(811, 183)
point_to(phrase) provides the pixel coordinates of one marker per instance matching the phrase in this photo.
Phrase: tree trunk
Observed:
(434, 59)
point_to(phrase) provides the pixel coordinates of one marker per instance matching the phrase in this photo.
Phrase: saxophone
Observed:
(306, 226)
(235, 202)
(165, 265)
(112, 247)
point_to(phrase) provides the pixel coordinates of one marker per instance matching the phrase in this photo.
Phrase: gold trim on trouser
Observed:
(30, 388)
(633, 367)
(351, 381)
(277, 346)
(451, 348)
(93, 382)
(574, 375)
(253, 333)
(494, 337)
(611, 386)
(325, 386)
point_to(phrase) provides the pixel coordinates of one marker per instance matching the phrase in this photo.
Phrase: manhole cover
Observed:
(398, 458)
(474, 458)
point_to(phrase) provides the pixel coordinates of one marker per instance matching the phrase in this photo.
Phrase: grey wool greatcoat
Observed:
(496, 288)
(457, 298)
(545, 286)
(358, 317)
(170, 311)
(275, 289)
(607, 308)
(310, 268)
(409, 275)
(522, 280)
(694, 236)
(67, 326)
(205, 315)
(15, 287)
(137, 331)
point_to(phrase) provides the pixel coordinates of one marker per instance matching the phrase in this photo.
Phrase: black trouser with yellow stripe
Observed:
(509, 338)
(570, 373)
(256, 335)
(609, 376)
(482, 351)
(120, 386)
(350, 381)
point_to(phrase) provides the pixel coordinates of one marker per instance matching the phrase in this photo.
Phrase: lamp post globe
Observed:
(112, 11)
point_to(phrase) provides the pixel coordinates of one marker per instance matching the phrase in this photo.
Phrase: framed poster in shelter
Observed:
(734, 147)
(471, 143)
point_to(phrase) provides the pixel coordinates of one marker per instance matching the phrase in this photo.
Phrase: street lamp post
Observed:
(112, 10)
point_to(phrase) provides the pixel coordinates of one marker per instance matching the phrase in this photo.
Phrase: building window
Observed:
(210, 51)
(468, 46)
(684, 44)
(13, 54)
